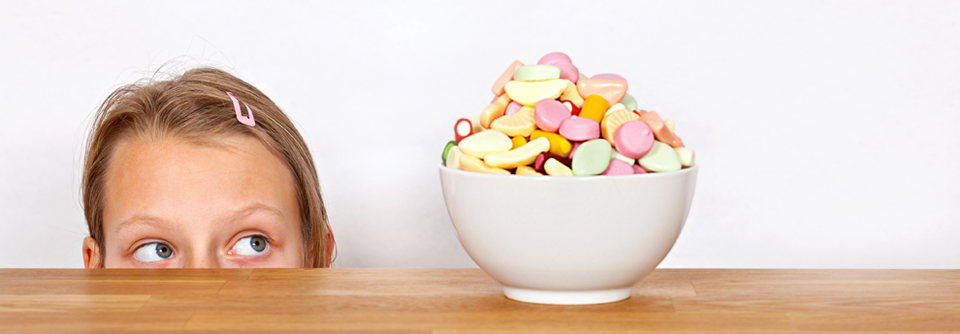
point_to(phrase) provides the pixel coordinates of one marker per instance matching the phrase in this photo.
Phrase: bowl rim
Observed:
(691, 169)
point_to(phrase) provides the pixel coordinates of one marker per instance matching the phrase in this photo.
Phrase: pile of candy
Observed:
(549, 118)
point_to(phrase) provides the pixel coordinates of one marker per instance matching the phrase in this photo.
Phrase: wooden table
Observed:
(469, 301)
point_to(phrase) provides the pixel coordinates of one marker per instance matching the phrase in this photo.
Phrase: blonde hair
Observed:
(195, 106)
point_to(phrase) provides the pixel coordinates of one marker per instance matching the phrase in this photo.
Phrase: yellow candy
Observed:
(528, 93)
(559, 146)
(669, 124)
(556, 168)
(475, 121)
(518, 141)
(519, 124)
(613, 121)
(485, 142)
(527, 170)
(524, 155)
(594, 107)
(472, 164)
(494, 110)
(572, 94)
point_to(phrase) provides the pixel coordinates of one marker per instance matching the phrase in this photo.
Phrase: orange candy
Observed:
(519, 124)
(527, 170)
(594, 107)
(613, 120)
(505, 77)
(494, 110)
(611, 90)
(660, 129)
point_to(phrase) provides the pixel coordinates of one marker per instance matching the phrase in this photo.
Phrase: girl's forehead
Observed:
(185, 181)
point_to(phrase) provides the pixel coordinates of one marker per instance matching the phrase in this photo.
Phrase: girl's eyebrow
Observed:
(252, 209)
(240, 214)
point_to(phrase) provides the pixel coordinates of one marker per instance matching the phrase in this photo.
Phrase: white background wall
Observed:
(826, 131)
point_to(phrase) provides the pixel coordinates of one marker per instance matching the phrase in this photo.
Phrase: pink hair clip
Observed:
(248, 120)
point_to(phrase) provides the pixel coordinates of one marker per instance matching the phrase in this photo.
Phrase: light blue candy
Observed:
(536, 73)
(661, 158)
(629, 102)
(592, 157)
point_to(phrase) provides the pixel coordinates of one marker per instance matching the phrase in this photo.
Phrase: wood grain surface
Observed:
(469, 301)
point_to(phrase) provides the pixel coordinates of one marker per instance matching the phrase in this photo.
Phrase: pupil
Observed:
(163, 250)
(258, 243)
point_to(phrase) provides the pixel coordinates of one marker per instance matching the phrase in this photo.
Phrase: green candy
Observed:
(661, 158)
(536, 73)
(446, 150)
(592, 157)
(629, 102)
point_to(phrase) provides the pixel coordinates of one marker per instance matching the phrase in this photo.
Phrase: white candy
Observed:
(669, 124)
(523, 155)
(485, 142)
(686, 156)
(453, 158)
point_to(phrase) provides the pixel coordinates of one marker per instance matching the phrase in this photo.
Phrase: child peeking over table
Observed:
(201, 171)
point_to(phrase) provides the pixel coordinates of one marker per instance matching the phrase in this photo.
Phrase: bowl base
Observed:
(567, 297)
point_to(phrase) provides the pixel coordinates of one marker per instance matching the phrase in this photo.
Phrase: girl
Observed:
(201, 171)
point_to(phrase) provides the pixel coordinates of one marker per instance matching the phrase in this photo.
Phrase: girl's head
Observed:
(172, 178)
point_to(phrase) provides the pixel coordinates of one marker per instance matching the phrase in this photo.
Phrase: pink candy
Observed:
(618, 167)
(554, 58)
(579, 129)
(608, 76)
(633, 139)
(549, 114)
(639, 170)
(512, 108)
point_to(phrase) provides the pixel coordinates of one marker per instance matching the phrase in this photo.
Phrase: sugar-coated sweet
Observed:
(548, 114)
(551, 119)
(559, 146)
(556, 168)
(577, 128)
(612, 121)
(571, 94)
(453, 158)
(594, 107)
(505, 77)
(536, 73)
(661, 158)
(519, 124)
(512, 108)
(554, 58)
(618, 167)
(611, 90)
(629, 102)
(528, 93)
(480, 144)
(520, 156)
(472, 164)
(633, 139)
(591, 158)
(686, 156)
(527, 170)
(494, 110)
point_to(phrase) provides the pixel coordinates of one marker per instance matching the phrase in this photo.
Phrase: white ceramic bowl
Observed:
(568, 240)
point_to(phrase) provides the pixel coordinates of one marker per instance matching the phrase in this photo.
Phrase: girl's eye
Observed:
(154, 251)
(251, 245)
